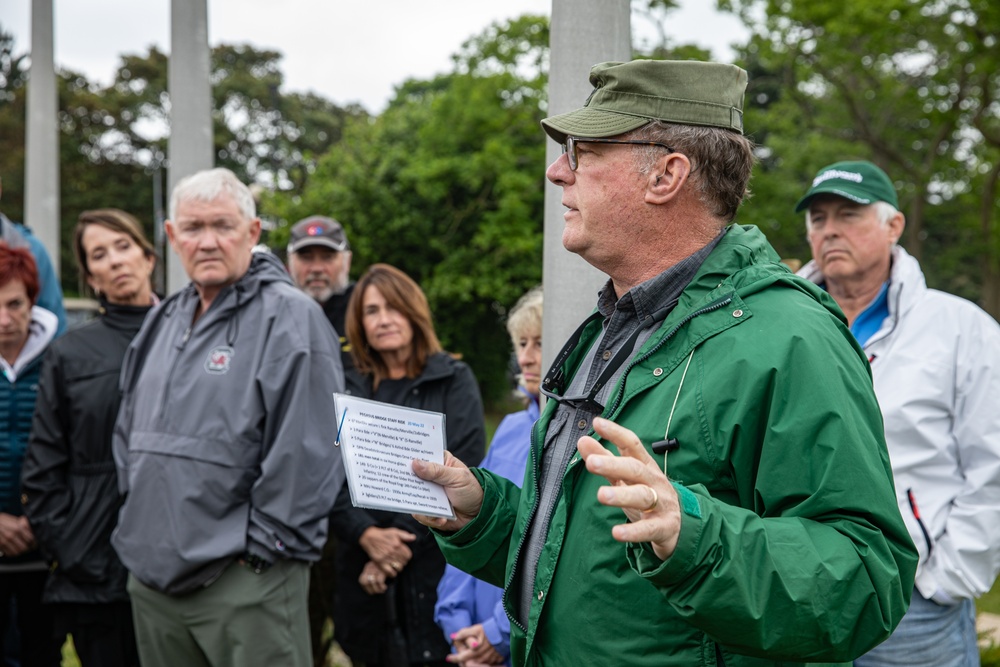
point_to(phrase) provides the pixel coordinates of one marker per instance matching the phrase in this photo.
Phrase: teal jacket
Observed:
(791, 548)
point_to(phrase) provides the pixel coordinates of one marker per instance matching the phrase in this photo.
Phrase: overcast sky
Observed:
(345, 50)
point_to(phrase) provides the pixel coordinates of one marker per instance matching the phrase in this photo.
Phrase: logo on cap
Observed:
(314, 229)
(836, 173)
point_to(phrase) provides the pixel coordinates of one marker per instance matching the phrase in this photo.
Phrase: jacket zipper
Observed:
(170, 376)
(534, 462)
(715, 305)
(920, 522)
(524, 535)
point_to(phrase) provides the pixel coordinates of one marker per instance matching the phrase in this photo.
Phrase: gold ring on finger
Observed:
(656, 499)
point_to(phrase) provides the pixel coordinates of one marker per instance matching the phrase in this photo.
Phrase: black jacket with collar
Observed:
(69, 482)
(446, 385)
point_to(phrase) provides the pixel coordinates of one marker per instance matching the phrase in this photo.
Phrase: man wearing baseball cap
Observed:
(776, 538)
(935, 361)
(319, 259)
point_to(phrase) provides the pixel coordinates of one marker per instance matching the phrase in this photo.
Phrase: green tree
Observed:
(447, 184)
(113, 139)
(12, 109)
(912, 86)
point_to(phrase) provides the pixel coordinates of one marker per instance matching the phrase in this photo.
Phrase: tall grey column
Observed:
(41, 160)
(583, 33)
(190, 146)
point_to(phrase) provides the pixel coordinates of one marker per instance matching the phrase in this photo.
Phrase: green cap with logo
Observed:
(626, 96)
(860, 181)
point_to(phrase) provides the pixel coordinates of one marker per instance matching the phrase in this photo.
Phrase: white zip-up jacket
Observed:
(936, 368)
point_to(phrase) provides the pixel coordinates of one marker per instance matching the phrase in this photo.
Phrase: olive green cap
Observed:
(862, 182)
(626, 96)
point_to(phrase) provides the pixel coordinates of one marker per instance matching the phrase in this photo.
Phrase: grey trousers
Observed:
(241, 620)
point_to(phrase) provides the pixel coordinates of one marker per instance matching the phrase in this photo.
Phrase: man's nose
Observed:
(559, 171)
(209, 238)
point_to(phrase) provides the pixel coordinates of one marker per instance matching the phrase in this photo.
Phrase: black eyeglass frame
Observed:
(569, 146)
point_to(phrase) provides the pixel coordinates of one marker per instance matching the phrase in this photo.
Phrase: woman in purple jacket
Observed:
(469, 611)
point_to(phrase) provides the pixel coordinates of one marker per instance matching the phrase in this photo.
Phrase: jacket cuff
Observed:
(472, 530)
(647, 564)
(495, 637)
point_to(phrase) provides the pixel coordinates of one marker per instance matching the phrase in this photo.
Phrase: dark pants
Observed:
(34, 620)
(102, 633)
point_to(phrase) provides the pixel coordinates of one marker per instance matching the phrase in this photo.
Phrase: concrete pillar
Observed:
(190, 147)
(583, 33)
(41, 160)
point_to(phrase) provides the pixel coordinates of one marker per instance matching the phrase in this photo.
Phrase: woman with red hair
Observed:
(25, 333)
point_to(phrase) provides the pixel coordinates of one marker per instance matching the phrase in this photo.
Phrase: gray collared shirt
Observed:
(622, 317)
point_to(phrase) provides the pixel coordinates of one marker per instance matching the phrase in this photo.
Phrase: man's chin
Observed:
(320, 294)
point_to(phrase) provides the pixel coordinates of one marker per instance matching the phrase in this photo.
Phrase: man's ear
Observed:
(255, 231)
(897, 224)
(168, 227)
(667, 177)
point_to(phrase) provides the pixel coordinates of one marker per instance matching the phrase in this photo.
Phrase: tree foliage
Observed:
(447, 185)
(113, 138)
(911, 85)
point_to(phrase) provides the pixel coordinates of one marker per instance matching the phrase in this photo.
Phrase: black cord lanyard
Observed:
(552, 384)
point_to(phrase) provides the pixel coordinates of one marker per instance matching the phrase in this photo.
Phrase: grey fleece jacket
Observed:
(224, 439)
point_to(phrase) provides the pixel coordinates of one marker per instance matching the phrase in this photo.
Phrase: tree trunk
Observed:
(915, 225)
(990, 299)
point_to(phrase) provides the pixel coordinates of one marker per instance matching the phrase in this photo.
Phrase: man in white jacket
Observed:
(935, 362)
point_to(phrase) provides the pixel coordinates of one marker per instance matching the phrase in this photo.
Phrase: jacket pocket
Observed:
(84, 553)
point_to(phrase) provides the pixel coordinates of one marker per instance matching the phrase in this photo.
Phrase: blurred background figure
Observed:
(470, 611)
(50, 296)
(25, 333)
(69, 480)
(319, 260)
(388, 565)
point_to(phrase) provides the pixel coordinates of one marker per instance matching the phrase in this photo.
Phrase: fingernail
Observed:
(474, 644)
(453, 635)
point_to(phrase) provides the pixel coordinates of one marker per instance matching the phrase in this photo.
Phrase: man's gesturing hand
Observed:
(461, 486)
(638, 486)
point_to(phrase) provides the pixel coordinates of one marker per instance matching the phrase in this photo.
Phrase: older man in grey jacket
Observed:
(224, 446)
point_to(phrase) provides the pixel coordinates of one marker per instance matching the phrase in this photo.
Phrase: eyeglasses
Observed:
(569, 148)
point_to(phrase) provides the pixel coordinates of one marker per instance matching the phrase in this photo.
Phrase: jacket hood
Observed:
(745, 263)
(907, 285)
(906, 282)
(264, 269)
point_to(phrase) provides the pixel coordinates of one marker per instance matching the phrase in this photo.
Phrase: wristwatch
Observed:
(257, 564)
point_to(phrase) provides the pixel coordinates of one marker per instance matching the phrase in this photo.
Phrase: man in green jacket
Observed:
(776, 538)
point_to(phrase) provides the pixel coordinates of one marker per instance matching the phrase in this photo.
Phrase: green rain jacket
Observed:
(791, 547)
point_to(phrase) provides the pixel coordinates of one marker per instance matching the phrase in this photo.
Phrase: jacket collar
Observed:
(41, 332)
